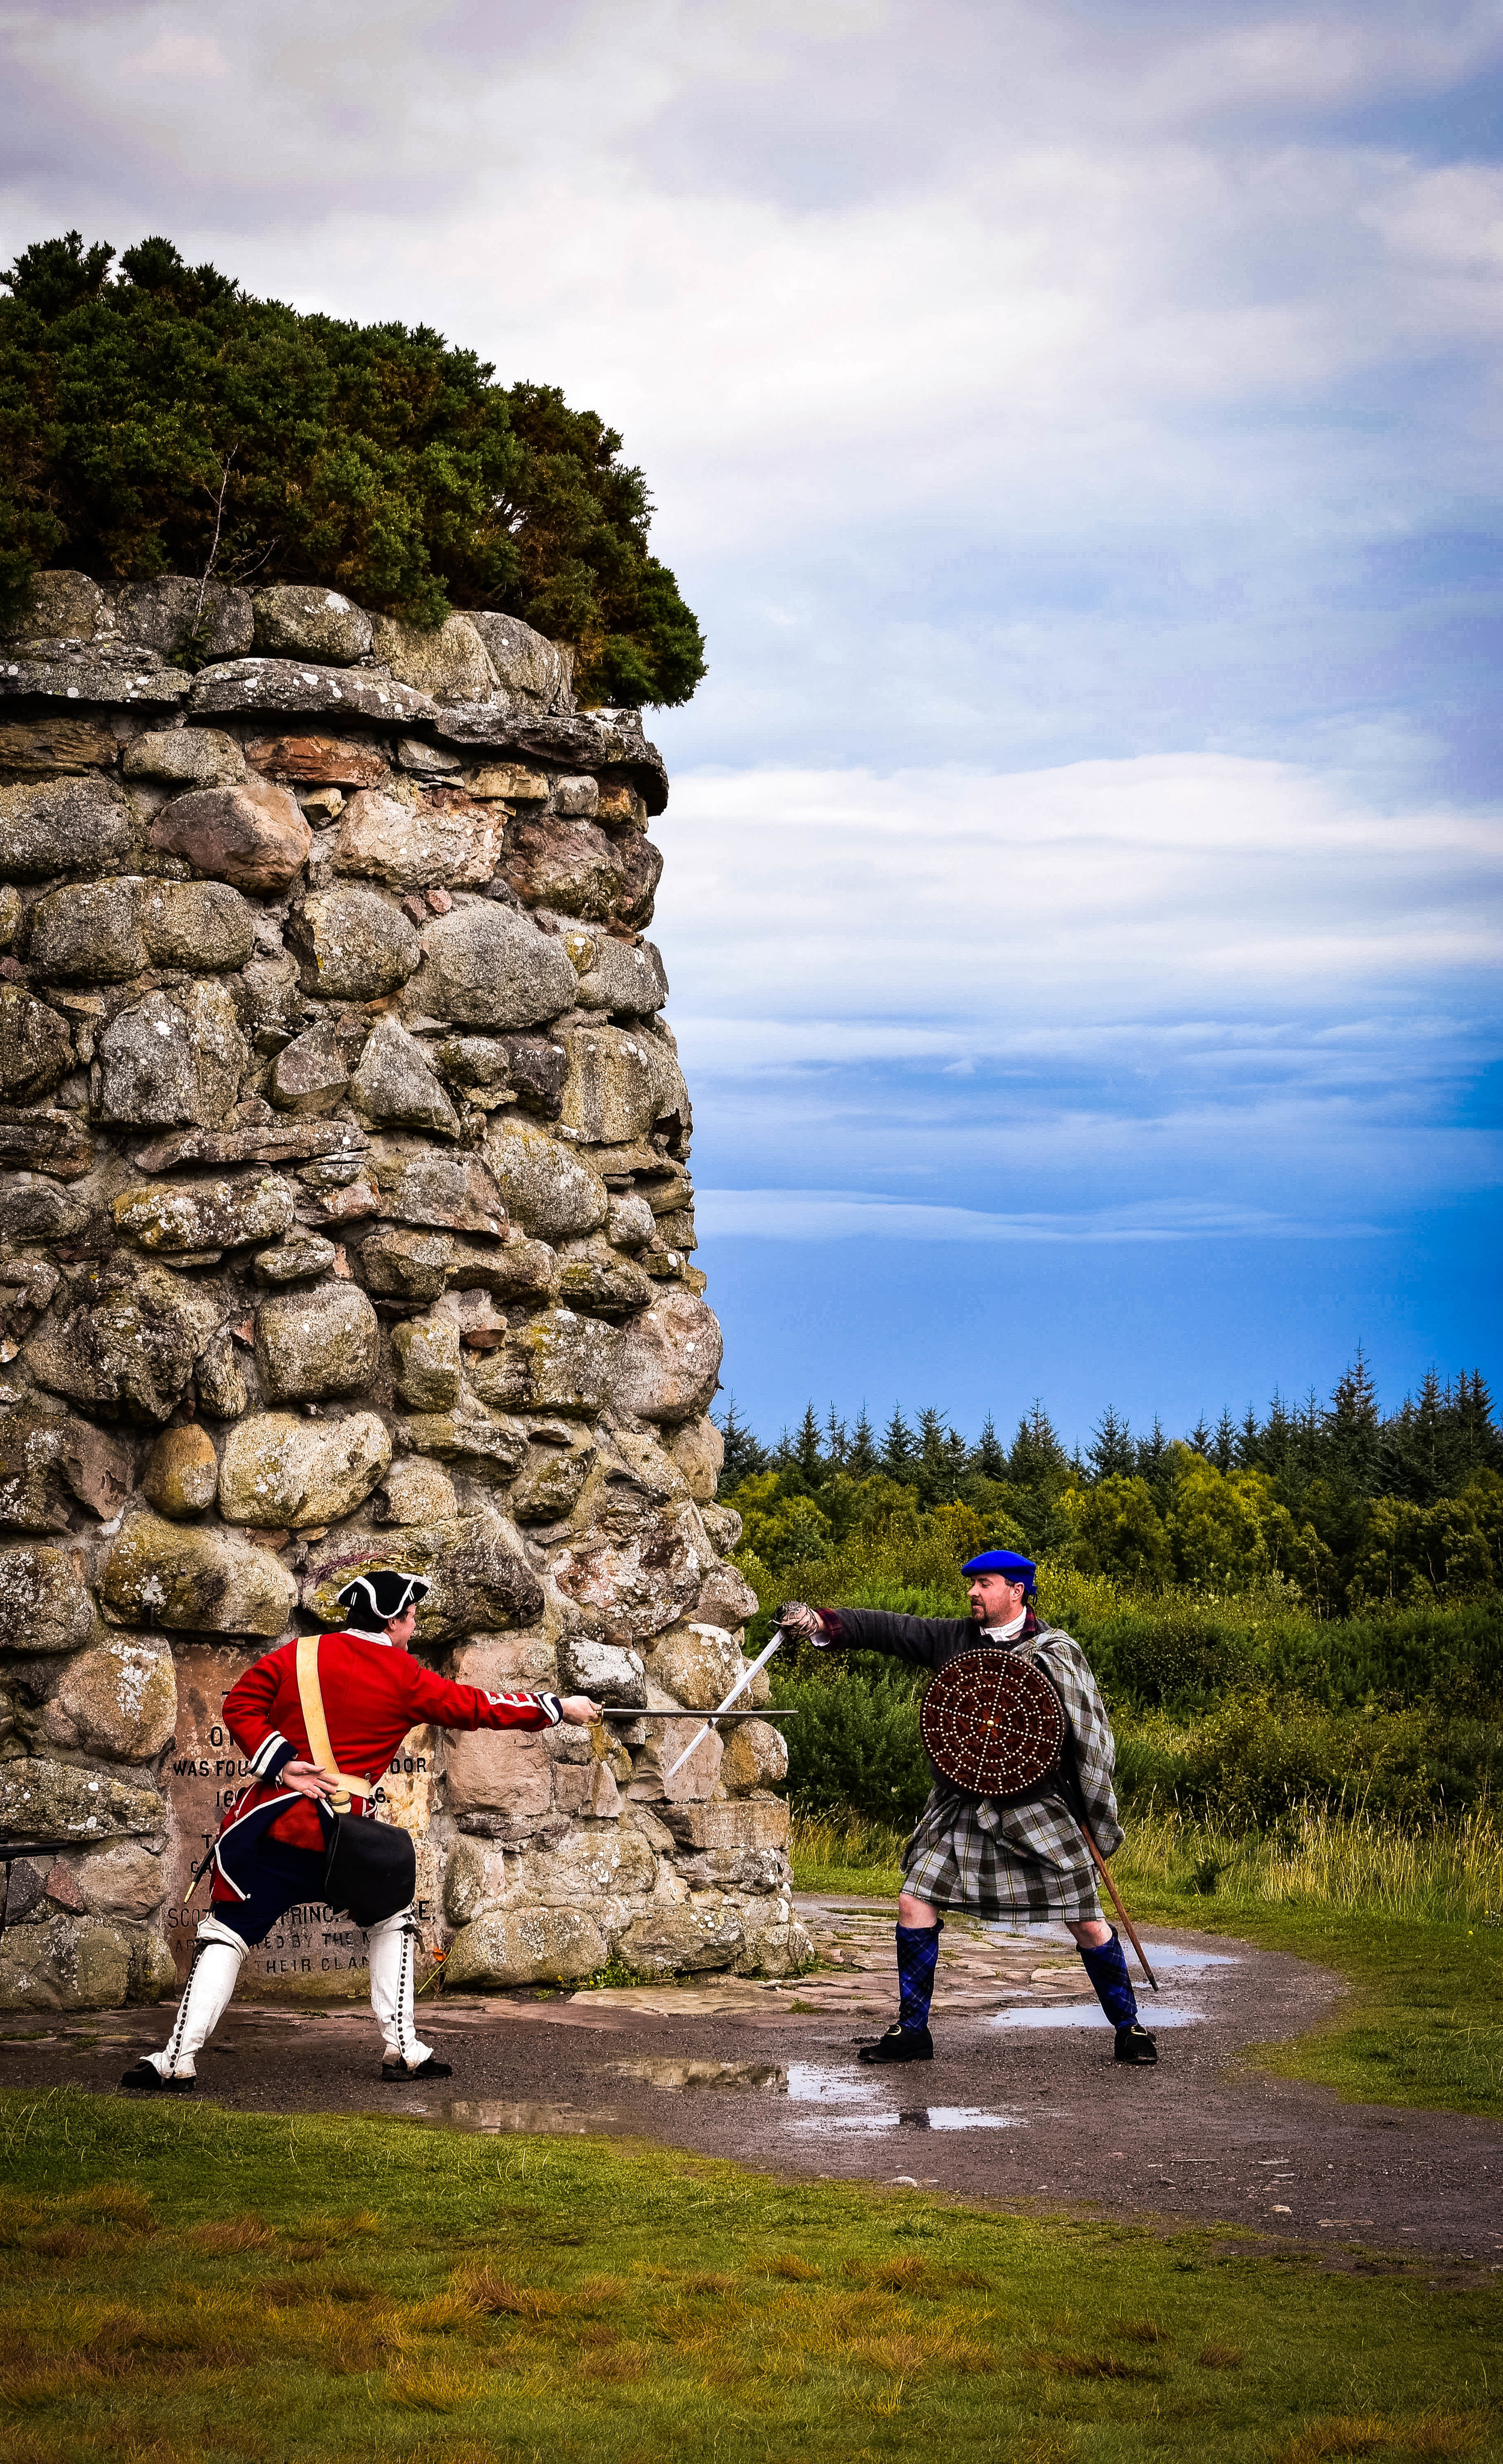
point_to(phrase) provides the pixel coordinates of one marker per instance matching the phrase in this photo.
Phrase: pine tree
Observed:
(899, 1449)
(1112, 1449)
(1352, 1427)
(1038, 1459)
(1224, 1445)
(745, 1456)
(987, 1456)
(836, 1441)
(808, 1451)
(1250, 1443)
(1200, 1439)
(861, 1457)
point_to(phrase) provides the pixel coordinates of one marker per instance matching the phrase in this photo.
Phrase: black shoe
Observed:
(397, 2073)
(1135, 2044)
(146, 2078)
(900, 2044)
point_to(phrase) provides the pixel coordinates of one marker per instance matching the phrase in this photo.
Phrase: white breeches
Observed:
(206, 1998)
(393, 1963)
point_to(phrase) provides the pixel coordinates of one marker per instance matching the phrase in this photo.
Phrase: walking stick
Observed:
(1105, 1872)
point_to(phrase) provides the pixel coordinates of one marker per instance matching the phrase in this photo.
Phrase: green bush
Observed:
(165, 421)
(856, 1744)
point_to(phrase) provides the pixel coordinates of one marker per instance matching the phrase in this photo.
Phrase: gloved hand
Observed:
(796, 1617)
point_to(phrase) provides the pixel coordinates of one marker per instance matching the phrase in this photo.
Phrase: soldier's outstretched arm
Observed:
(917, 1640)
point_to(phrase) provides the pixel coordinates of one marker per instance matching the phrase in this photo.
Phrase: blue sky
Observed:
(1077, 428)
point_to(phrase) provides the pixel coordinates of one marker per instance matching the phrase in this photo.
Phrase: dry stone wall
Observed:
(345, 1218)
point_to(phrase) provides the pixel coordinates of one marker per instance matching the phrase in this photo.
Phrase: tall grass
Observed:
(1342, 1860)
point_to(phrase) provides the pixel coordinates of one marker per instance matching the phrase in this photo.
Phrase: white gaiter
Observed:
(205, 1998)
(393, 1955)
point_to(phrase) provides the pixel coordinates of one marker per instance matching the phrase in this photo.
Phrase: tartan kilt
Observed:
(1025, 1864)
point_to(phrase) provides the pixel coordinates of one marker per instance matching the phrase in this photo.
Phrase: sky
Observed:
(1076, 429)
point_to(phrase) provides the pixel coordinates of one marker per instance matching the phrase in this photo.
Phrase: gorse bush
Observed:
(161, 418)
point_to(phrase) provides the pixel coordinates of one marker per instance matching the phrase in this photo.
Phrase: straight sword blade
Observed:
(740, 1687)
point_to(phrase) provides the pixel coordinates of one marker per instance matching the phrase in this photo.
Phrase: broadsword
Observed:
(740, 1687)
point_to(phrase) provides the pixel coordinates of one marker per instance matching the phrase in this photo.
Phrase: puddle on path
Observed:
(675, 2073)
(488, 2114)
(851, 2104)
(1153, 2014)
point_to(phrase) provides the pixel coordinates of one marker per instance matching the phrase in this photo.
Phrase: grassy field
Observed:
(185, 2286)
(1404, 1919)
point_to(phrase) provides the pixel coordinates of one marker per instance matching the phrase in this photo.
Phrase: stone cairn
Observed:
(344, 1220)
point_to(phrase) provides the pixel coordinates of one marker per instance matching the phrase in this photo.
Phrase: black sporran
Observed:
(372, 1868)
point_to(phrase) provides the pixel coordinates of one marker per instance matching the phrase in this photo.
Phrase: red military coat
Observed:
(373, 1693)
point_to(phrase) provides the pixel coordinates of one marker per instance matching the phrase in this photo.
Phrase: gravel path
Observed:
(1023, 2104)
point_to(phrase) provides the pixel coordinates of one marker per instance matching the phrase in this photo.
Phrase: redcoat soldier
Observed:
(274, 1842)
(1025, 1863)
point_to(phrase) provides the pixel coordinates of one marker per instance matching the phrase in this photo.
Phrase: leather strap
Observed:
(311, 1698)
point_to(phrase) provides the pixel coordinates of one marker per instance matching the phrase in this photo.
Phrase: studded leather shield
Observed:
(992, 1723)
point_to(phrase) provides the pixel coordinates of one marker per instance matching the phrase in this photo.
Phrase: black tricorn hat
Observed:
(382, 1595)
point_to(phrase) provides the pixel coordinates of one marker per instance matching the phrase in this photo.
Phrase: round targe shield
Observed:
(992, 1723)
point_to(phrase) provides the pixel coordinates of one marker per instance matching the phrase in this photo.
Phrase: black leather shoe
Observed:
(397, 2073)
(147, 2079)
(1135, 2044)
(900, 2044)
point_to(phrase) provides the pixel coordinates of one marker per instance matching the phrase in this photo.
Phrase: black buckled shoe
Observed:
(1135, 2044)
(900, 2044)
(397, 2073)
(146, 2079)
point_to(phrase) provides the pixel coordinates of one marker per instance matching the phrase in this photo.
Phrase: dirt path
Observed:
(1022, 2106)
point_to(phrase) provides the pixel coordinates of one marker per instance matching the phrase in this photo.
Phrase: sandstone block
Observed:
(479, 1584)
(610, 1095)
(726, 1596)
(278, 689)
(174, 611)
(119, 1700)
(410, 847)
(52, 1800)
(188, 756)
(638, 1584)
(475, 1440)
(696, 1664)
(394, 1084)
(505, 1771)
(282, 1472)
(318, 761)
(623, 976)
(426, 1350)
(669, 1363)
(220, 1379)
(126, 1881)
(569, 864)
(447, 660)
(354, 945)
(512, 780)
(558, 1461)
(756, 1757)
(72, 1963)
(405, 1265)
(269, 999)
(198, 924)
(683, 1941)
(61, 606)
(621, 808)
(528, 668)
(698, 1450)
(35, 1046)
(416, 1492)
(182, 1474)
(302, 1259)
(525, 1946)
(596, 1279)
(474, 1061)
(311, 1074)
(167, 1216)
(174, 1057)
(485, 965)
(91, 930)
(58, 742)
(44, 1601)
(602, 1670)
(65, 825)
(454, 1192)
(252, 835)
(730, 1822)
(189, 1575)
(556, 1363)
(300, 620)
(550, 1191)
(578, 798)
(309, 1344)
(133, 1339)
(641, 870)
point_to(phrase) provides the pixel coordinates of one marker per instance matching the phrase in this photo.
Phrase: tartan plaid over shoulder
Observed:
(1025, 1864)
